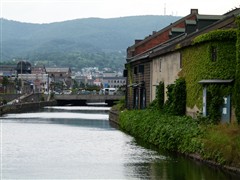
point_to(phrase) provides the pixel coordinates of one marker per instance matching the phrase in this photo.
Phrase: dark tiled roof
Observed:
(210, 17)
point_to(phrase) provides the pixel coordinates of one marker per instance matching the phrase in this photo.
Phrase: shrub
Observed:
(120, 105)
(176, 102)
(222, 144)
(173, 133)
(160, 95)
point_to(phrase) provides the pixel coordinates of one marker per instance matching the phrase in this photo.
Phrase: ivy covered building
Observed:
(203, 53)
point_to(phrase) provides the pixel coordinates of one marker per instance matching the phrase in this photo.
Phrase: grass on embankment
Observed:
(220, 143)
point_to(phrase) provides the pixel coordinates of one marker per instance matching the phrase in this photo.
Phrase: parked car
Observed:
(108, 91)
(67, 91)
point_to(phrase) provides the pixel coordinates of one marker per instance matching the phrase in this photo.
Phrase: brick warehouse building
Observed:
(140, 87)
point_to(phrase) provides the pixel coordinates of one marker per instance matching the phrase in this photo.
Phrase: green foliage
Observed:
(75, 84)
(237, 74)
(2, 101)
(198, 64)
(215, 94)
(5, 81)
(176, 98)
(58, 86)
(52, 95)
(220, 143)
(77, 59)
(77, 43)
(42, 98)
(153, 105)
(179, 101)
(168, 106)
(92, 87)
(120, 105)
(176, 102)
(160, 95)
(158, 102)
(173, 133)
(216, 35)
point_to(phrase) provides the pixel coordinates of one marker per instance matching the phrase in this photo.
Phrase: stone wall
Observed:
(9, 97)
(114, 116)
(24, 107)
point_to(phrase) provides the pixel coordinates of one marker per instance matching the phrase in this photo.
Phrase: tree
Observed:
(5, 83)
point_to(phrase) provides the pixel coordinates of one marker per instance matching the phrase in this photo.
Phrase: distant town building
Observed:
(81, 80)
(60, 78)
(109, 74)
(113, 82)
(8, 70)
(97, 82)
(23, 67)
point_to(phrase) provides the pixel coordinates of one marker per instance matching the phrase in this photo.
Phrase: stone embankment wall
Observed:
(9, 97)
(32, 97)
(114, 116)
(24, 107)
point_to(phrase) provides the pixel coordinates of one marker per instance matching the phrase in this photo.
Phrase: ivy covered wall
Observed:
(198, 63)
(237, 75)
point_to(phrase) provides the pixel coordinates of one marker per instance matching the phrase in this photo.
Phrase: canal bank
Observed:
(20, 103)
(134, 124)
(24, 107)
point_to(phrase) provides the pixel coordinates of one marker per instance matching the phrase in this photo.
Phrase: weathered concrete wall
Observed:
(165, 69)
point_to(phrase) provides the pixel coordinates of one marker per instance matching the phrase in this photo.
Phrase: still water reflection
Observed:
(79, 143)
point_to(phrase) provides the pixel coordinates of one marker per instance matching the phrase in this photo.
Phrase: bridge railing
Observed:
(86, 96)
(120, 93)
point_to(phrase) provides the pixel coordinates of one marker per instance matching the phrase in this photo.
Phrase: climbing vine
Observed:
(215, 94)
(179, 100)
(237, 74)
(198, 64)
(160, 95)
(217, 35)
(176, 102)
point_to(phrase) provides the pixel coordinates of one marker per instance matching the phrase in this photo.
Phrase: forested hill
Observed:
(77, 43)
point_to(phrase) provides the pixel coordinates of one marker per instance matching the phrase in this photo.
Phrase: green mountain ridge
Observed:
(77, 43)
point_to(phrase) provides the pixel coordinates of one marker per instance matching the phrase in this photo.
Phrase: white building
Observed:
(113, 82)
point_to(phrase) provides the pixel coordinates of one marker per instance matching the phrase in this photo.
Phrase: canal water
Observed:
(80, 143)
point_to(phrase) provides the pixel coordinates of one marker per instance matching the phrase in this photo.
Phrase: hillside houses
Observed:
(25, 78)
(199, 48)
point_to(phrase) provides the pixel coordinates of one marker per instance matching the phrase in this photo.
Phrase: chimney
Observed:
(137, 40)
(194, 11)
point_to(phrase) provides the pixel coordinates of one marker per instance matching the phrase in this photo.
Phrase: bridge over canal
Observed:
(84, 99)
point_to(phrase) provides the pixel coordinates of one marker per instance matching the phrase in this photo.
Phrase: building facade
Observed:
(113, 82)
(59, 78)
(166, 60)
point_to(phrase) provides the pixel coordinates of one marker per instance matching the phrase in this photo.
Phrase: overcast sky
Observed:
(46, 11)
